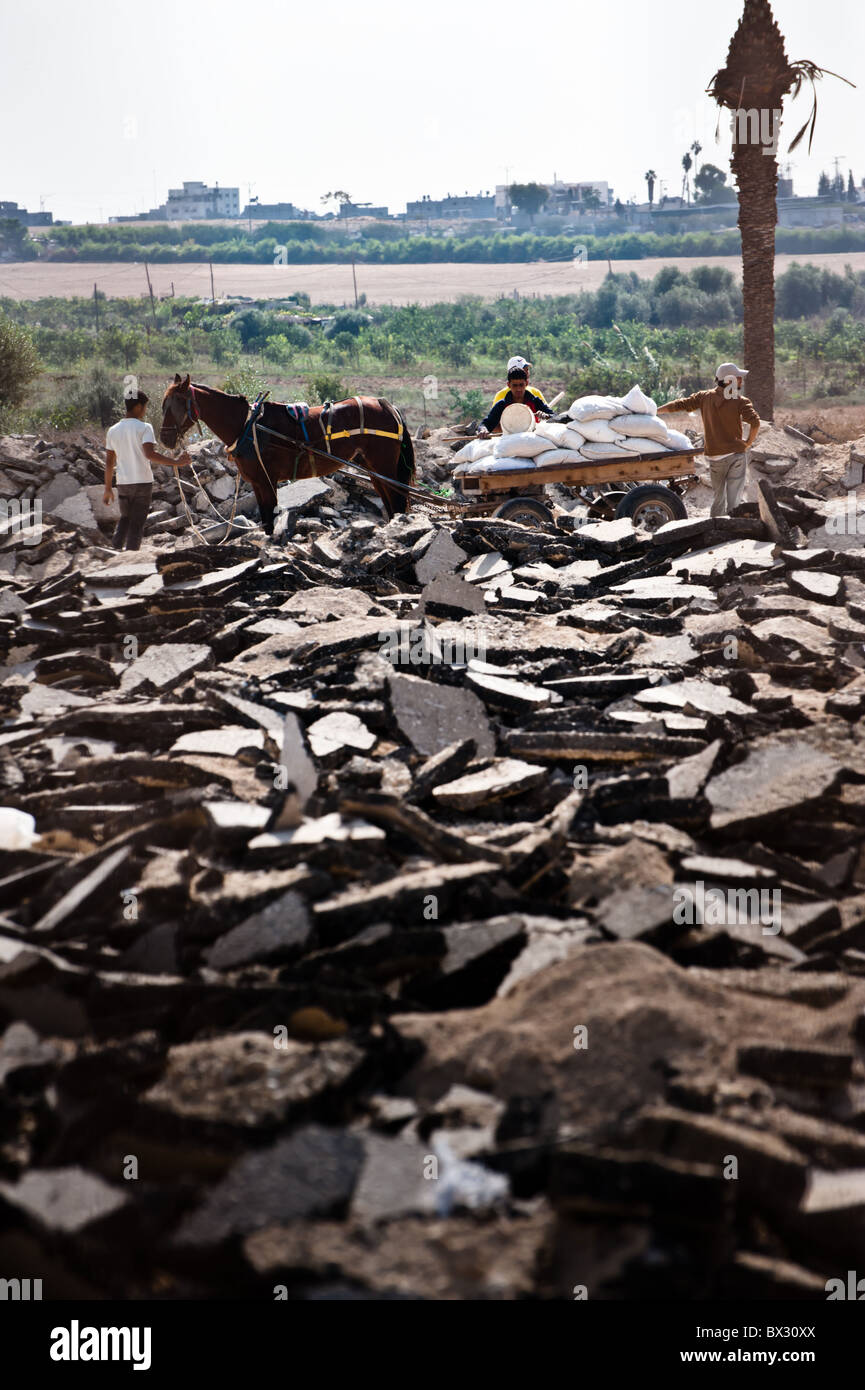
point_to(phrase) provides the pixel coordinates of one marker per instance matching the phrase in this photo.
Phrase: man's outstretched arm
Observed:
(151, 453)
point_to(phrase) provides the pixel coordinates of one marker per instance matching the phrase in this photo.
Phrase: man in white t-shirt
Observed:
(131, 448)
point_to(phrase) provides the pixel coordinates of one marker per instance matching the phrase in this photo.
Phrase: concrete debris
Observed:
(417, 900)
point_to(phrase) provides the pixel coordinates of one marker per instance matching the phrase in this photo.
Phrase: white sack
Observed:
(677, 440)
(563, 436)
(599, 432)
(605, 451)
(638, 403)
(559, 456)
(493, 465)
(477, 449)
(637, 445)
(594, 408)
(646, 426)
(526, 445)
(548, 430)
(503, 465)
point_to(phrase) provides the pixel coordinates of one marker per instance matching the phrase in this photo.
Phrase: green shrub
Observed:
(457, 354)
(245, 381)
(468, 405)
(326, 388)
(19, 364)
(348, 321)
(96, 398)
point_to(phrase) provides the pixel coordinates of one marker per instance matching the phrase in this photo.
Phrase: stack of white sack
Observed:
(506, 452)
(600, 427)
(615, 426)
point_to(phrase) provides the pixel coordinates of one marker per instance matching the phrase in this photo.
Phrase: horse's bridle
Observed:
(192, 414)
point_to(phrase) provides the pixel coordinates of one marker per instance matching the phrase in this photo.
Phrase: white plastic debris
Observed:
(462, 1183)
(17, 829)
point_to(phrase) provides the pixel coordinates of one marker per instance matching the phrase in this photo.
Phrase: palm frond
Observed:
(805, 70)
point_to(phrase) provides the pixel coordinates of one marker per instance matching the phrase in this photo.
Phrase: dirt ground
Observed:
(332, 284)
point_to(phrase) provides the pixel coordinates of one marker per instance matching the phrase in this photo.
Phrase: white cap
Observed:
(728, 369)
(518, 364)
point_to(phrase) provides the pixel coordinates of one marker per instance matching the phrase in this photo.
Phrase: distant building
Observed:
(361, 210)
(564, 196)
(196, 200)
(276, 212)
(193, 202)
(476, 205)
(27, 219)
(812, 212)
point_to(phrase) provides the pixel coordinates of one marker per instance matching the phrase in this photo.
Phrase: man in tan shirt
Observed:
(724, 412)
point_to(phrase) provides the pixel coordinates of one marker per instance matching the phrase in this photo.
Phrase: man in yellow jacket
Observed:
(724, 411)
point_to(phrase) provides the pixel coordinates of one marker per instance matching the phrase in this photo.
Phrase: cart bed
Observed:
(638, 468)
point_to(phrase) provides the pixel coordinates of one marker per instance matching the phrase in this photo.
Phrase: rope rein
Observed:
(196, 416)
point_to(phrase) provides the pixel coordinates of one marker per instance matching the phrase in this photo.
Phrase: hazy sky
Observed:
(106, 105)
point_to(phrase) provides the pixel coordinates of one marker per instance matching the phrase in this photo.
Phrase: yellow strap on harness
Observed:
(383, 434)
(348, 434)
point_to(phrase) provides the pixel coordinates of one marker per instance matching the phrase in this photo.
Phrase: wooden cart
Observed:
(610, 488)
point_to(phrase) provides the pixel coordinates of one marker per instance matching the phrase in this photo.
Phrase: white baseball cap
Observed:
(728, 369)
(518, 364)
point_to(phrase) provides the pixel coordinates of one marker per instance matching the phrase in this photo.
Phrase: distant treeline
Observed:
(310, 243)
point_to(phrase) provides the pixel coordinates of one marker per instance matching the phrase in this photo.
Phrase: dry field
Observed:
(332, 284)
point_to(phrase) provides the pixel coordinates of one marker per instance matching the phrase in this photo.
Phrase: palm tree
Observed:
(758, 75)
(686, 165)
(696, 150)
(650, 177)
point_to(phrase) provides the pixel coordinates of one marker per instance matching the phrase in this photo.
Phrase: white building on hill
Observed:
(195, 199)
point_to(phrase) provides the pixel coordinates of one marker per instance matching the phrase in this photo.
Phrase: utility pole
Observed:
(150, 288)
(354, 278)
(212, 290)
(96, 306)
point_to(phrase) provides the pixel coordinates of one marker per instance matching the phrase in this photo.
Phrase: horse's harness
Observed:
(299, 413)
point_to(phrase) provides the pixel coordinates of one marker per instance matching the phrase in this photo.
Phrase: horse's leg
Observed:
(393, 498)
(266, 506)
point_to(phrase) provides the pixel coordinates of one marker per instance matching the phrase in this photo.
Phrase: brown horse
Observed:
(366, 431)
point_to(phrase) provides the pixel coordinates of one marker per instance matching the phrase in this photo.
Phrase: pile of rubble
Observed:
(66, 479)
(434, 909)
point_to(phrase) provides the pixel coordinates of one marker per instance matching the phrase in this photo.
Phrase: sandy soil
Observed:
(382, 284)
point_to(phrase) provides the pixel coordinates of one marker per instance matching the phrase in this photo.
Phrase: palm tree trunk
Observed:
(757, 177)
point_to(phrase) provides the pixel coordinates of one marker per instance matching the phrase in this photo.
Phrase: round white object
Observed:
(517, 418)
(17, 829)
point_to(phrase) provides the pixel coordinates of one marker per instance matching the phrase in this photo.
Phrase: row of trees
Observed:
(835, 187)
(502, 247)
(709, 182)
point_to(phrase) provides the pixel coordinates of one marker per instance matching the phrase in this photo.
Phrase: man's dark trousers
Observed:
(134, 500)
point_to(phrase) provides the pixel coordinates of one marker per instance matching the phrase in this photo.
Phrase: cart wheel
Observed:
(525, 510)
(651, 506)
